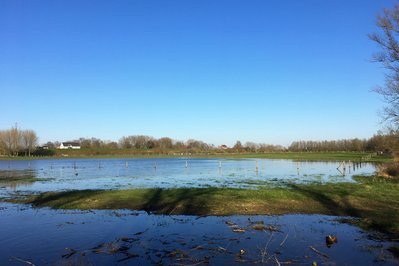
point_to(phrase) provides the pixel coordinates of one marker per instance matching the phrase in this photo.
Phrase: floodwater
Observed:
(58, 237)
(42, 236)
(60, 175)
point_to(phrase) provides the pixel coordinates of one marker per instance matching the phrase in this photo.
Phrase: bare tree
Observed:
(3, 146)
(238, 146)
(165, 143)
(29, 140)
(387, 40)
(15, 140)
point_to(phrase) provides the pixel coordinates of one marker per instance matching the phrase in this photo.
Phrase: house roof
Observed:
(71, 143)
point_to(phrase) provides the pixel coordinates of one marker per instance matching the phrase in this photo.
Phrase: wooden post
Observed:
(340, 163)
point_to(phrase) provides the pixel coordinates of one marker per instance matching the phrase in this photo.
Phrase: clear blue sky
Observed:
(219, 71)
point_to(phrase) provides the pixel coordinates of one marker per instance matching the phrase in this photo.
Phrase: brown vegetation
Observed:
(14, 141)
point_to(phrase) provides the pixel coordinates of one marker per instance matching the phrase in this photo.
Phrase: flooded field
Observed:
(122, 237)
(43, 236)
(59, 175)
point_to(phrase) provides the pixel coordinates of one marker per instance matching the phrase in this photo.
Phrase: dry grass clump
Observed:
(390, 170)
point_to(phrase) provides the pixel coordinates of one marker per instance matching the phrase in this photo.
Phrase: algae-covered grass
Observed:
(10, 178)
(374, 200)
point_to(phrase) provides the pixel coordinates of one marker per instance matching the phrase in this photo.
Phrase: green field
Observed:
(129, 153)
(374, 200)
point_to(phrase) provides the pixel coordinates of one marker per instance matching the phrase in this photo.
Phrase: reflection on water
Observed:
(13, 185)
(173, 172)
(13, 179)
(44, 236)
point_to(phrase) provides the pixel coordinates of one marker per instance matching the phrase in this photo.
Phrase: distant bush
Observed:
(43, 152)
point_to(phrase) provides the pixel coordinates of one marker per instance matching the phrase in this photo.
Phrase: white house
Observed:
(69, 145)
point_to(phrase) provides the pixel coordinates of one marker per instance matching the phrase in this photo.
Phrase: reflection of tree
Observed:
(15, 184)
(15, 179)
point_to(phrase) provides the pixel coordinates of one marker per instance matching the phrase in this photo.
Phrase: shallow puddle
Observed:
(123, 237)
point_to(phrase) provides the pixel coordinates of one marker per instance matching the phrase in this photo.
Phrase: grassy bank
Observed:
(127, 153)
(374, 200)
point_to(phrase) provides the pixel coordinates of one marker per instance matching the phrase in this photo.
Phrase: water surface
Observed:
(68, 174)
(57, 237)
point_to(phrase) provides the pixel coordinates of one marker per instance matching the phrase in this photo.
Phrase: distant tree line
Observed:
(15, 142)
(386, 143)
(143, 142)
(255, 147)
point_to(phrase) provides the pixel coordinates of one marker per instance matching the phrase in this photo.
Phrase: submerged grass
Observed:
(25, 176)
(16, 181)
(374, 200)
(26, 179)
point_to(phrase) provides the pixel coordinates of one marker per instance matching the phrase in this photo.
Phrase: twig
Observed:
(199, 247)
(282, 243)
(222, 249)
(170, 213)
(263, 251)
(270, 239)
(21, 260)
(318, 252)
(275, 258)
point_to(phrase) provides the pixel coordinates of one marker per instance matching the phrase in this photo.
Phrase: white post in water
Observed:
(220, 164)
(349, 166)
(186, 164)
(257, 167)
(126, 164)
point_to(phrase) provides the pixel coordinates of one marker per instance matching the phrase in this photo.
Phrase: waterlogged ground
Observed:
(42, 236)
(59, 175)
(122, 237)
